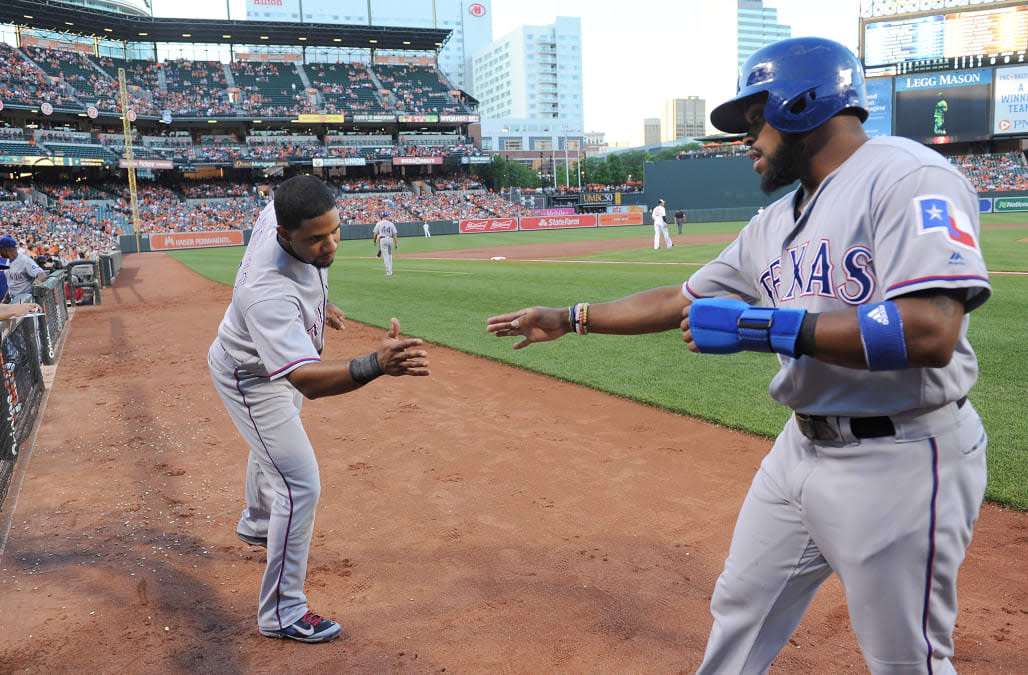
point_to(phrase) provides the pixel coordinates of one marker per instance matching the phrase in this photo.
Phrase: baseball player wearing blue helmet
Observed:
(861, 281)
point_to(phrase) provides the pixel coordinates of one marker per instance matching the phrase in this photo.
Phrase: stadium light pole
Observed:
(567, 170)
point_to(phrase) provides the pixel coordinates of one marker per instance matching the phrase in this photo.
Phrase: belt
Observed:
(823, 428)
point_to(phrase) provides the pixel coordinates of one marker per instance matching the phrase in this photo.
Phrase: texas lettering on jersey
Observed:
(814, 273)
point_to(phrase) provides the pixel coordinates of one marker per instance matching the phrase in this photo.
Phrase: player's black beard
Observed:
(786, 165)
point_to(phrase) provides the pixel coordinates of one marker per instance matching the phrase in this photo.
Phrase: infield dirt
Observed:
(484, 519)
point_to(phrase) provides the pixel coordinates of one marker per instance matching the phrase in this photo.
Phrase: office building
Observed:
(533, 72)
(651, 130)
(756, 26)
(470, 20)
(684, 118)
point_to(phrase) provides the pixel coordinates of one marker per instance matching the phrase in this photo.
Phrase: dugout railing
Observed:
(50, 295)
(23, 391)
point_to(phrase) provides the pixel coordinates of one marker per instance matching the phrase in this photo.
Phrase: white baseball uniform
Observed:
(891, 512)
(660, 227)
(428, 232)
(386, 232)
(274, 324)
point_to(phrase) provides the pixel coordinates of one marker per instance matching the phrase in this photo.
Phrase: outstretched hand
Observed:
(399, 357)
(334, 317)
(534, 324)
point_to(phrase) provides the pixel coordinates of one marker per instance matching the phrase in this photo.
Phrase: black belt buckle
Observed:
(816, 427)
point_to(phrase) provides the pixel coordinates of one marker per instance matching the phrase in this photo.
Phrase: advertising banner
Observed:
(147, 163)
(37, 160)
(985, 204)
(374, 118)
(459, 118)
(417, 119)
(619, 219)
(1006, 204)
(488, 225)
(630, 208)
(403, 60)
(257, 164)
(319, 118)
(339, 161)
(557, 222)
(404, 161)
(558, 211)
(267, 56)
(599, 198)
(476, 159)
(940, 108)
(1011, 101)
(879, 107)
(173, 240)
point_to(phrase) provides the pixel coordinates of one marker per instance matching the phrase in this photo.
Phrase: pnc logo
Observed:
(1004, 125)
(476, 9)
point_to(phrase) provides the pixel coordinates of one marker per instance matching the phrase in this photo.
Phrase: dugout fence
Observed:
(23, 391)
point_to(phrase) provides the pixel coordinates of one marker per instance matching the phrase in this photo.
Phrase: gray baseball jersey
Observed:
(22, 273)
(275, 324)
(386, 232)
(888, 502)
(895, 218)
(276, 321)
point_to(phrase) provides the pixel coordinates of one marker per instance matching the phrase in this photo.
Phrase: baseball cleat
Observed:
(253, 541)
(311, 628)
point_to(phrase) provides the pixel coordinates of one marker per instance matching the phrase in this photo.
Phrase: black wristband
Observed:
(364, 369)
(805, 344)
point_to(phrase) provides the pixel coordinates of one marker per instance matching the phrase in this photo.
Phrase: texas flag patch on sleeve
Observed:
(938, 216)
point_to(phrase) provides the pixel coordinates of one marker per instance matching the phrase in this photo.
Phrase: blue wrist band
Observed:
(724, 326)
(881, 330)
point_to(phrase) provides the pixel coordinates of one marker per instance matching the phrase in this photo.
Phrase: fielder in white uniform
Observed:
(428, 232)
(265, 360)
(862, 281)
(660, 226)
(386, 237)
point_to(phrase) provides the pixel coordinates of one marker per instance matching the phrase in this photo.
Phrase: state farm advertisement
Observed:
(488, 225)
(173, 240)
(619, 219)
(558, 222)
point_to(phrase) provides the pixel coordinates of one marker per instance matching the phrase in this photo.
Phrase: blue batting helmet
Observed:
(807, 81)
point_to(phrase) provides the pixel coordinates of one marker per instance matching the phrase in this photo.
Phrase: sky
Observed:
(636, 54)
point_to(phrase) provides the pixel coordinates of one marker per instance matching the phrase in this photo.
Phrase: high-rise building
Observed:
(470, 20)
(756, 26)
(533, 72)
(684, 118)
(595, 143)
(651, 131)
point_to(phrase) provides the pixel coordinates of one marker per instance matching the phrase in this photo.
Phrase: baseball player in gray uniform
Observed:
(265, 360)
(385, 236)
(22, 272)
(861, 281)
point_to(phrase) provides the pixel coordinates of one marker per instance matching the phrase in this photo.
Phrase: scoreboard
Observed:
(944, 41)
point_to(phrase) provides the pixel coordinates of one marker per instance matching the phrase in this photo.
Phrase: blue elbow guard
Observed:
(725, 326)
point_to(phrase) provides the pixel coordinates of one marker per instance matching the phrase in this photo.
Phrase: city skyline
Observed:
(634, 60)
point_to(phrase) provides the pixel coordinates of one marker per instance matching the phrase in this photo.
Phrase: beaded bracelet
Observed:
(578, 317)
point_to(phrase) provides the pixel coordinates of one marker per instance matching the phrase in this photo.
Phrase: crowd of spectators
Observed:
(456, 183)
(372, 184)
(196, 88)
(22, 83)
(418, 90)
(735, 149)
(72, 230)
(345, 87)
(994, 173)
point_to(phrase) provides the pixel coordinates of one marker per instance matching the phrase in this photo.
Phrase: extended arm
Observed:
(651, 311)
(919, 330)
(18, 309)
(394, 357)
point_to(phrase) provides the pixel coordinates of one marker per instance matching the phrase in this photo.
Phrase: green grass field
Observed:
(446, 302)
